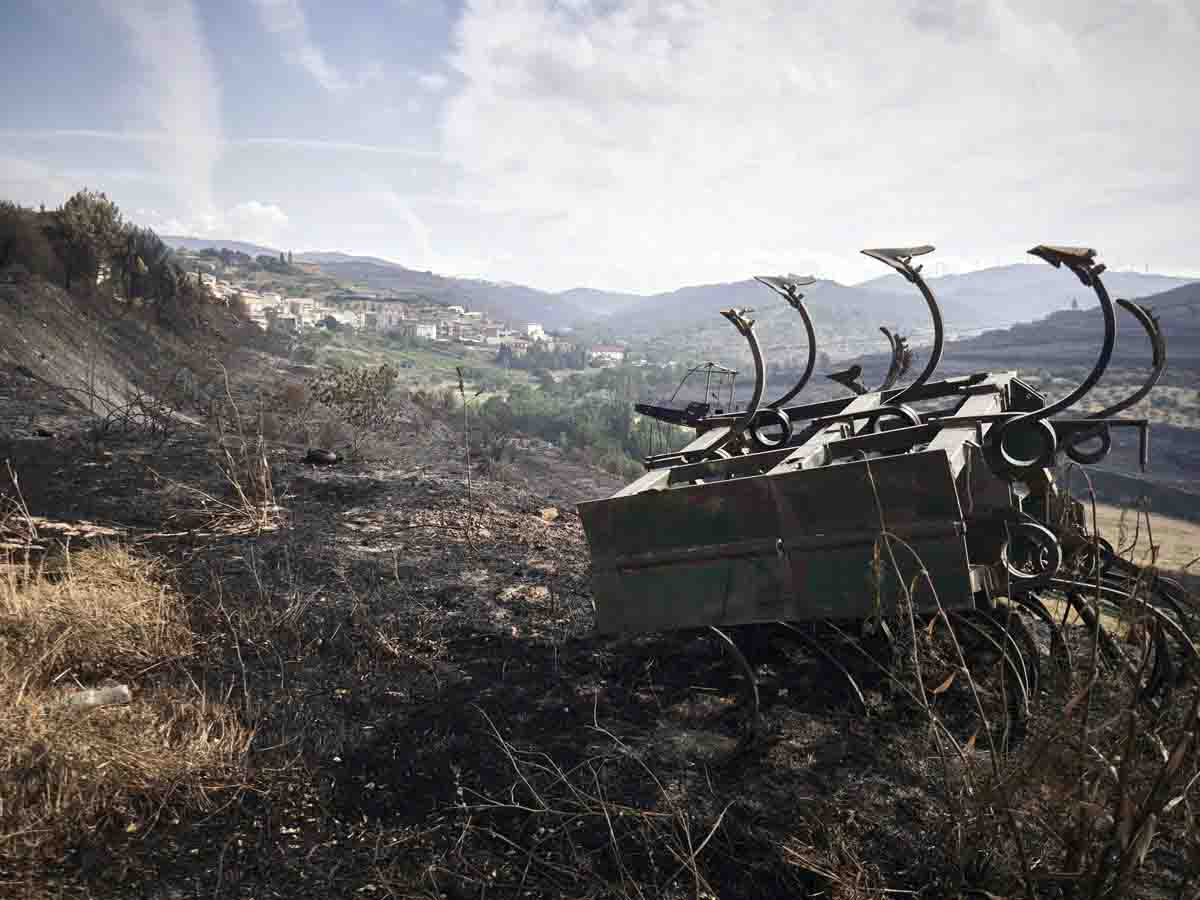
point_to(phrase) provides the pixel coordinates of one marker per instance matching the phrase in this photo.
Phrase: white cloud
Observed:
(31, 183)
(645, 147)
(55, 134)
(250, 220)
(336, 146)
(418, 245)
(163, 137)
(286, 20)
(261, 223)
(434, 82)
(178, 93)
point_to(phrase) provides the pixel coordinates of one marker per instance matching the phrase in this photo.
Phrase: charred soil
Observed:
(432, 715)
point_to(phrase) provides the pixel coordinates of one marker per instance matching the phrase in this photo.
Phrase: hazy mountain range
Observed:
(1026, 291)
(986, 298)
(1071, 339)
(194, 244)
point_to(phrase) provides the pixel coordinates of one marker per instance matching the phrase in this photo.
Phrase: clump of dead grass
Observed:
(87, 614)
(69, 772)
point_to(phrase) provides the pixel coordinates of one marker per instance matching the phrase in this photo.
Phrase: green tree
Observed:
(141, 257)
(23, 241)
(88, 231)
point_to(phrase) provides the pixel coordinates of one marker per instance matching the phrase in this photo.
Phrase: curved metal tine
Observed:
(1177, 597)
(1175, 628)
(1158, 344)
(888, 380)
(787, 286)
(1023, 675)
(1058, 642)
(746, 668)
(1081, 261)
(830, 658)
(900, 259)
(1108, 644)
(901, 360)
(745, 328)
(1159, 681)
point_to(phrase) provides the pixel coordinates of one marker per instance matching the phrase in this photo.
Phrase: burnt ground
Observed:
(435, 718)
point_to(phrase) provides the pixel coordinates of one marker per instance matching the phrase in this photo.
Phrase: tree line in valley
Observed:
(591, 415)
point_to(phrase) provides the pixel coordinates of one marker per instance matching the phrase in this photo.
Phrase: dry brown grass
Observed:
(1170, 545)
(87, 614)
(1176, 542)
(67, 772)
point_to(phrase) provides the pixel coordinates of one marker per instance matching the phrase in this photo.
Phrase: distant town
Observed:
(378, 311)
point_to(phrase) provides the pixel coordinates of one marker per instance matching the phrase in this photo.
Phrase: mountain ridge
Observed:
(992, 297)
(1023, 292)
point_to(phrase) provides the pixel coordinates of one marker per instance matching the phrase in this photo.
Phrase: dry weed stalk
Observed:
(466, 404)
(18, 528)
(959, 810)
(1090, 796)
(581, 842)
(244, 465)
(827, 855)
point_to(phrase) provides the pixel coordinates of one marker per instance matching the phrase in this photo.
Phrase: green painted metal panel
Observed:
(796, 546)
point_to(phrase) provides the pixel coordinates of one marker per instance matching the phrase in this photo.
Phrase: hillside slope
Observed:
(61, 355)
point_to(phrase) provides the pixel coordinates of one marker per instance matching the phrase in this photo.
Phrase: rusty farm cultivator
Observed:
(936, 496)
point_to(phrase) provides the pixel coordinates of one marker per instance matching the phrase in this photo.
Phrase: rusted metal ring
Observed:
(1047, 557)
(893, 411)
(766, 418)
(1088, 457)
(1094, 557)
(1038, 437)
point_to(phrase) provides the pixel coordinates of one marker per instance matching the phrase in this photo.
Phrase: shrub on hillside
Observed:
(362, 399)
(291, 412)
(23, 242)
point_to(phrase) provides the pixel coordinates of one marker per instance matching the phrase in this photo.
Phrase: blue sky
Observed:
(620, 144)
